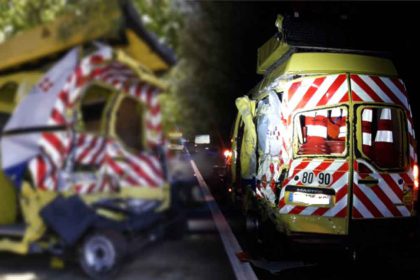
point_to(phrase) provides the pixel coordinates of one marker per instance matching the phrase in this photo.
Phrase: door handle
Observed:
(369, 181)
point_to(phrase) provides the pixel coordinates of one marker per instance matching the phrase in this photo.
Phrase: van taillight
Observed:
(416, 177)
(227, 153)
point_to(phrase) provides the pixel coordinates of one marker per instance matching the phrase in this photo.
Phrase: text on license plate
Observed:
(309, 198)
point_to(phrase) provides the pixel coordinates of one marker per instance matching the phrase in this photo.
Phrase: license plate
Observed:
(310, 198)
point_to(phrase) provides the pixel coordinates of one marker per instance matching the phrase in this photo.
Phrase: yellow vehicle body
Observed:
(143, 57)
(298, 78)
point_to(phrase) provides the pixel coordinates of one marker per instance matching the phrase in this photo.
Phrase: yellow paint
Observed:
(23, 82)
(321, 64)
(246, 108)
(313, 224)
(31, 203)
(269, 53)
(139, 50)
(54, 37)
(57, 263)
(142, 70)
(8, 201)
(234, 147)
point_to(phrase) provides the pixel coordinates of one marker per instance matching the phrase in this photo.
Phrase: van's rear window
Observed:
(381, 136)
(322, 132)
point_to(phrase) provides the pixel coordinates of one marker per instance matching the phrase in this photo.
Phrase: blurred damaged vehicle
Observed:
(84, 172)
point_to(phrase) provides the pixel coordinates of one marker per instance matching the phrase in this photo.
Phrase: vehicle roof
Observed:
(296, 35)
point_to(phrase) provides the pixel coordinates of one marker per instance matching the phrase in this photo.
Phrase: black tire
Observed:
(264, 240)
(101, 254)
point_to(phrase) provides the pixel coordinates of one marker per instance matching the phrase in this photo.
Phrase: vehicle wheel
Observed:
(253, 231)
(101, 254)
(178, 225)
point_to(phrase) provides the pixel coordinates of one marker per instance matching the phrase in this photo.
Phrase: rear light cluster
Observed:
(227, 153)
(416, 177)
(416, 187)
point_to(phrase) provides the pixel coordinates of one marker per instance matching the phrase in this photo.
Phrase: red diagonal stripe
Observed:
(322, 167)
(54, 141)
(99, 152)
(386, 90)
(150, 94)
(297, 210)
(138, 90)
(341, 193)
(388, 203)
(141, 173)
(154, 110)
(150, 126)
(91, 187)
(300, 167)
(310, 92)
(366, 201)
(399, 84)
(342, 213)
(394, 187)
(40, 172)
(292, 90)
(120, 171)
(320, 211)
(332, 90)
(81, 139)
(354, 96)
(87, 150)
(339, 172)
(63, 97)
(369, 91)
(407, 179)
(356, 213)
(282, 203)
(338, 196)
(152, 165)
(58, 117)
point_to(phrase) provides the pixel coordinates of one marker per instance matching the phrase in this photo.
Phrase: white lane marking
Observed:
(231, 244)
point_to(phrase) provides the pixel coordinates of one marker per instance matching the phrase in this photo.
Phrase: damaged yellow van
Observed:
(82, 146)
(324, 146)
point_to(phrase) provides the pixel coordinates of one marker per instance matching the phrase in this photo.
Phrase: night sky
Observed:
(387, 26)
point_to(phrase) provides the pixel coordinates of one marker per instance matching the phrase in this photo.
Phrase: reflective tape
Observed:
(384, 136)
(367, 115)
(317, 131)
(386, 114)
(343, 131)
(367, 139)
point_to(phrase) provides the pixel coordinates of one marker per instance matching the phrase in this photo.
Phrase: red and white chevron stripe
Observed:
(383, 200)
(44, 173)
(99, 67)
(312, 92)
(338, 169)
(118, 167)
(90, 149)
(133, 170)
